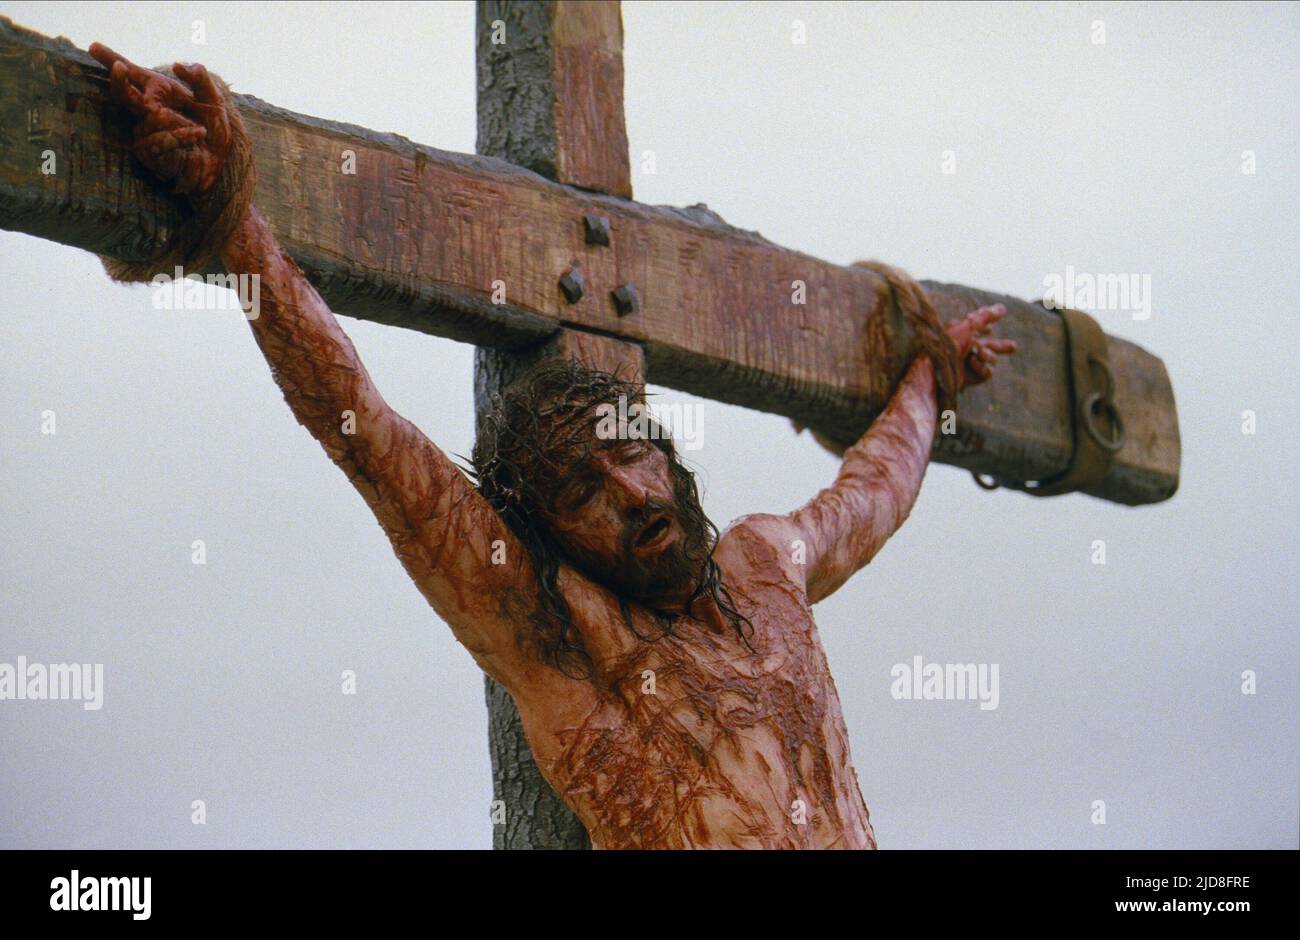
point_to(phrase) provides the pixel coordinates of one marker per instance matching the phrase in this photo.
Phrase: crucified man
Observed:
(670, 679)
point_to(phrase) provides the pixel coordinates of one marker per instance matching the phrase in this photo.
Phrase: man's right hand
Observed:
(182, 134)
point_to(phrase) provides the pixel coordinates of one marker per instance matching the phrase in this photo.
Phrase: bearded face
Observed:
(619, 507)
(628, 516)
(608, 497)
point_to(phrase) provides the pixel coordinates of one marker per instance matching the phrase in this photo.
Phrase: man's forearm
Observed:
(328, 388)
(892, 457)
(847, 523)
(311, 358)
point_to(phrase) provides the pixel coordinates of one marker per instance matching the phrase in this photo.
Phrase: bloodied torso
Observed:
(693, 739)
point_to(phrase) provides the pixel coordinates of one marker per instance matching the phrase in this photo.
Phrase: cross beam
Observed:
(421, 238)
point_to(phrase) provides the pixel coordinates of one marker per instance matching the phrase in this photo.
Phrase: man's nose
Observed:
(632, 491)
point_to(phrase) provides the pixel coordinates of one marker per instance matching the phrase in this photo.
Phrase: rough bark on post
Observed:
(550, 97)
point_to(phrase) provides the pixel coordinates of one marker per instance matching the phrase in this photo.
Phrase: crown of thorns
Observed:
(539, 429)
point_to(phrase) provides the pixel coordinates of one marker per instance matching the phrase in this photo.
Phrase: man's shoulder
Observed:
(759, 540)
(761, 525)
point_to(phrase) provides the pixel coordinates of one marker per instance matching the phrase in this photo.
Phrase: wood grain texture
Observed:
(418, 237)
(588, 77)
(551, 90)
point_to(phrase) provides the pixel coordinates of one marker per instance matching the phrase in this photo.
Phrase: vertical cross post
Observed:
(550, 98)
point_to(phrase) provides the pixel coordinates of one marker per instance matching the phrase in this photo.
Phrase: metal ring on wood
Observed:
(1094, 359)
(1090, 460)
(1093, 404)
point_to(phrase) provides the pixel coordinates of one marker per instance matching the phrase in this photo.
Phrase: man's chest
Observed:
(698, 737)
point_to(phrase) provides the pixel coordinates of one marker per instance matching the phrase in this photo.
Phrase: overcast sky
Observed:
(1120, 683)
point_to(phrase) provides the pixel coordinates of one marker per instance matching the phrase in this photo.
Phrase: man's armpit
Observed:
(517, 609)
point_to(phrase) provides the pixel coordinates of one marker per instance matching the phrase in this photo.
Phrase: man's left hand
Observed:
(977, 351)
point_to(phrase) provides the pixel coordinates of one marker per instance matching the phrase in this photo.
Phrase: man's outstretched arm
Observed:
(443, 531)
(846, 524)
(441, 528)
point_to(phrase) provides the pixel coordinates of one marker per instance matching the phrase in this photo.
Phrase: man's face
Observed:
(618, 516)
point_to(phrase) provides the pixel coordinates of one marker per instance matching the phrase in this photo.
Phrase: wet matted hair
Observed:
(530, 438)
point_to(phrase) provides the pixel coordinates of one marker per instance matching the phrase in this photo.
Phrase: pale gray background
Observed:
(1119, 683)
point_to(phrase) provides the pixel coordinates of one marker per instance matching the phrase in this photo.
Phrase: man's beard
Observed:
(671, 575)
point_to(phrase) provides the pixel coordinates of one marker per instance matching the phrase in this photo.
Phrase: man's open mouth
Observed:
(654, 530)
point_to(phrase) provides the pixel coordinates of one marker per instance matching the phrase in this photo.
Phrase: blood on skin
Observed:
(740, 744)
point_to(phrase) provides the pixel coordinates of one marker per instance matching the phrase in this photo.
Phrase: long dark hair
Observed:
(526, 444)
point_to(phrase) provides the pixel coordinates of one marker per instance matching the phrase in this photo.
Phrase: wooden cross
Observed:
(535, 247)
